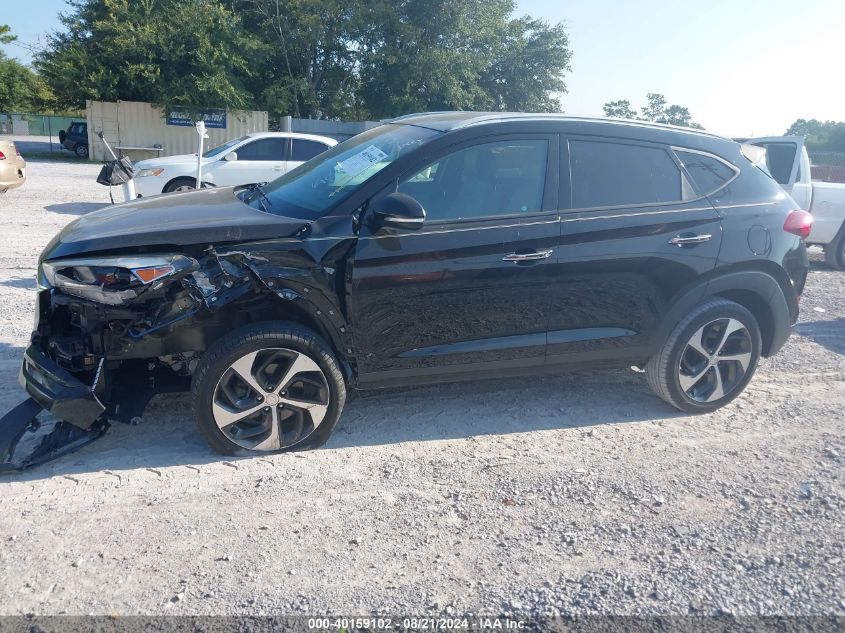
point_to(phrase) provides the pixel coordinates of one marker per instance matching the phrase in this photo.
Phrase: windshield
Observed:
(308, 191)
(222, 149)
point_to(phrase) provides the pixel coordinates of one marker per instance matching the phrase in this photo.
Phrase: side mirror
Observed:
(398, 210)
(231, 156)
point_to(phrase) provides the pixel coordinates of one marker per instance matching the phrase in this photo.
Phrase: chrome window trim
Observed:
(736, 170)
(462, 229)
(559, 218)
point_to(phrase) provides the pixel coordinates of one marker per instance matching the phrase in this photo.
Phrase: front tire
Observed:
(181, 184)
(709, 357)
(270, 387)
(834, 253)
(81, 151)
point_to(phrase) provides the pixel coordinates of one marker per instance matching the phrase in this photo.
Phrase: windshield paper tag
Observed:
(364, 159)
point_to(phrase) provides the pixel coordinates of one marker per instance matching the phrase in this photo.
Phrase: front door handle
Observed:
(683, 240)
(527, 257)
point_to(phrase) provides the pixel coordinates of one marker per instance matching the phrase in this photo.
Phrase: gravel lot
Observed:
(575, 494)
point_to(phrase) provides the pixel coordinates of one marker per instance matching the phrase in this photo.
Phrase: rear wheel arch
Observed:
(760, 308)
(756, 290)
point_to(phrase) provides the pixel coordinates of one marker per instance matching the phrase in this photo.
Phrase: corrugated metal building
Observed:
(143, 130)
(338, 130)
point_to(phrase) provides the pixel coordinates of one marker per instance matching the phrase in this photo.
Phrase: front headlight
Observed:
(156, 171)
(113, 280)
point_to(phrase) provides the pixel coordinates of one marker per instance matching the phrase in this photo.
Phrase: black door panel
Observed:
(618, 268)
(439, 300)
(467, 291)
(619, 275)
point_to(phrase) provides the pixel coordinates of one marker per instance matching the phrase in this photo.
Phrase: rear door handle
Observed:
(682, 240)
(527, 257)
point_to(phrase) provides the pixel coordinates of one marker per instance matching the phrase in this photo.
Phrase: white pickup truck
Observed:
(789, 165)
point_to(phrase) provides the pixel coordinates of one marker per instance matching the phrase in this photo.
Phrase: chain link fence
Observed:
(828, 166)
(28, 124)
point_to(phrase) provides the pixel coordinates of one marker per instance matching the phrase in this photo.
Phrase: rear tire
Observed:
(834, 253)
(269, 387)
(709, 357)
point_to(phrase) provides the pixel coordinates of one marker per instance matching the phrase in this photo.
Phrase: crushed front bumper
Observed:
(27, 437)
(59, 392)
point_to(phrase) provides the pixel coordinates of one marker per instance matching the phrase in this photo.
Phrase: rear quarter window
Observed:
(708, 173)
(606, 174)
(303, 149)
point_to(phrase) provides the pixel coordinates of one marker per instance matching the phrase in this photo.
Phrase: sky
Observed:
(742, 67)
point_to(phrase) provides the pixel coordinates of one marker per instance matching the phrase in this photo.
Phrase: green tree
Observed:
(655, 108)
(21, 90)
(311, 58)
(820, 135)
(619, 110)
(6, 36)
(309, 55)
(429, 54)
(423, 55)
(655, 111)
(526, 73)
(677, 115)
(189, 52)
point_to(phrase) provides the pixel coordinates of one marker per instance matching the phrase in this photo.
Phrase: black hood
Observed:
(210, 216)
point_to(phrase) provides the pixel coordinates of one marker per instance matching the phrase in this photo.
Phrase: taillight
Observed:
(17, 151)
(2, 156)
(799, 223)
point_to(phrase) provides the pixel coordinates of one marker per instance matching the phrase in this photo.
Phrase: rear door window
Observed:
(607, 174)
(708, 173)
(303, 149)
(263, 149)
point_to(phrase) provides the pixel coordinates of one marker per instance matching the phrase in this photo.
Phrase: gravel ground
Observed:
(577, 494)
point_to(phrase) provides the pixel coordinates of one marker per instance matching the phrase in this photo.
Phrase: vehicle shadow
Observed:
(498, 407)
(167, 436)
(76, 208)
(828, 334)
(27, 283)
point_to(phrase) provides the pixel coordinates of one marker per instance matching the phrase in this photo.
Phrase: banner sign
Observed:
(184, 117)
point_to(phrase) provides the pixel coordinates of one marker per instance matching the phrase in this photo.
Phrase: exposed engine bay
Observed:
(113, 331)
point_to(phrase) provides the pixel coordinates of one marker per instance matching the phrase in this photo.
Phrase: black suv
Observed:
(75, 138)
(435, 247)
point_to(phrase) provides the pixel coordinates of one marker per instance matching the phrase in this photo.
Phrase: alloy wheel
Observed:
(270, 399)
(184, 188)
(715, 360)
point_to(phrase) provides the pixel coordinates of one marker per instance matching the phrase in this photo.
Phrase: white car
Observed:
(254, 158)
(789, 164)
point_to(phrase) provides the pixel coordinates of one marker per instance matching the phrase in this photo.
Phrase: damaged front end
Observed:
(111, 332)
